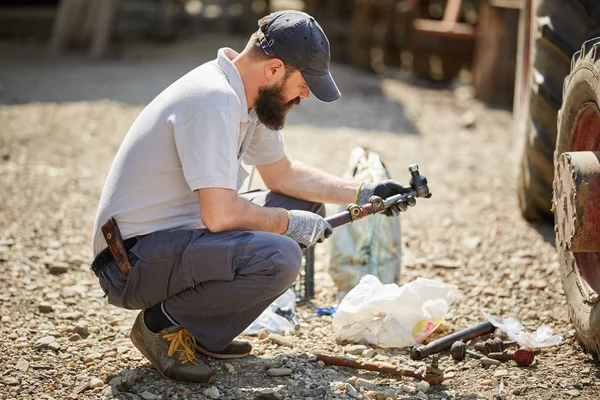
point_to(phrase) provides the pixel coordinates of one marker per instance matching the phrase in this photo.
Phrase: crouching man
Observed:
(206, 261)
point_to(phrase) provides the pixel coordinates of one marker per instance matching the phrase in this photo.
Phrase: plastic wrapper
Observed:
(370, 245)
(272, 318)
(387, 315)
(542, 337)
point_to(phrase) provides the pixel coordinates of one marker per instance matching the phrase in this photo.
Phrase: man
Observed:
(206, 261)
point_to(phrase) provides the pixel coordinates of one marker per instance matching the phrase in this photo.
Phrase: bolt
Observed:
(413, 168)
(458, 351)
(494, 345)
(523, 356)
(489, 361)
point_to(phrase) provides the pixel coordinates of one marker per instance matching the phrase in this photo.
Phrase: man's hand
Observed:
(307, 228)
(385, 189)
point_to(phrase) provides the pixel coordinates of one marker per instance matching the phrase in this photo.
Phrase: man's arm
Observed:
(223, 210)
(304, 182)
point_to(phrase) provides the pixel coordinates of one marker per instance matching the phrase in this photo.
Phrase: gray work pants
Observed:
(212, 284)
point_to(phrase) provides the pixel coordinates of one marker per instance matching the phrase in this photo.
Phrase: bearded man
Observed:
(206, 261)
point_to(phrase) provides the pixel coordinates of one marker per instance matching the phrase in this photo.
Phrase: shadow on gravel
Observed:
(546, 231)
(139, 71)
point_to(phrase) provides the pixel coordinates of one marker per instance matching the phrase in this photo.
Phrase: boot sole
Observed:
(219, 356)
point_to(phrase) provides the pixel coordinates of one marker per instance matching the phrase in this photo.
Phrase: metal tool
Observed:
(376, 204)
(431, 374)
(523, 356)
(458, 351)
(418, 353)
(494, 345)
(116, 246)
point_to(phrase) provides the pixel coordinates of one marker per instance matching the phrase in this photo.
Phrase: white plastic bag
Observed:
(272, 321)
(542, 337)
(392, 316)
(371, 245)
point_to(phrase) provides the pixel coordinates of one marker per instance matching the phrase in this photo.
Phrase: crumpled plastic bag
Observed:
(368, 246)
(392, 316)
(542, 337)
(270, 320)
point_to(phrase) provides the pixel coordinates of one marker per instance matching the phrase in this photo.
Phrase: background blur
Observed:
(443, 41)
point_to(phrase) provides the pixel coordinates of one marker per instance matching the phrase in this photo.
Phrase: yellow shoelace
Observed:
(184, 343)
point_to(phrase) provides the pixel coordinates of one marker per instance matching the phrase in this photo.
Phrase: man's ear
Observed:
(274, 70)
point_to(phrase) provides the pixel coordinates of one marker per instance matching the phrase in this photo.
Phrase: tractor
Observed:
(557, 93)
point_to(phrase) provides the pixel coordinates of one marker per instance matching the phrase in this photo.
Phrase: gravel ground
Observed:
(59, 338)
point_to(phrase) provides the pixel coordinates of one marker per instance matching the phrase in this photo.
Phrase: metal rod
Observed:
(418, 353)
(344, 217)
(385, 368)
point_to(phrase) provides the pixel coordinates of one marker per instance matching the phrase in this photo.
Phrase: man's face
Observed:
(274, 102)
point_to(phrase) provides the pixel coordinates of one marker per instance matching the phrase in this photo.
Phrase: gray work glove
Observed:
(307, 228)
(385, 189)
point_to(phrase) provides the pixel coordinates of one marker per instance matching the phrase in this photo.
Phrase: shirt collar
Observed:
(224, 57)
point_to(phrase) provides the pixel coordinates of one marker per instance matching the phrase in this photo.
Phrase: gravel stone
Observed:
(45, 307)
(500, 373)
(71, 315)
(10, 381)
(42, 343)
(58, 268)
(489, 361)
(81, 328)
(351, 391)
(74, 337)
(422, 395)
(22, 365)
(212, 393)
(268, 394)
(281, 340)
(369, 353)
(110, 391)
(422, 386)
(146, 395)
(279, 371)
(96, 383)
(573, 392)
(54, 346)
(353, 380)
(355, 349)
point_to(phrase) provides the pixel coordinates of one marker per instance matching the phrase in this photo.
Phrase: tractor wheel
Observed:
(551, 31)
(576, 197)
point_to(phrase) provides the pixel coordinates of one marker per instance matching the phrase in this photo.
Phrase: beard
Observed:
(271, 107)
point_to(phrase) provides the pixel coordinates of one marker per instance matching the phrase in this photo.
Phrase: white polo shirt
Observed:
(193, 135)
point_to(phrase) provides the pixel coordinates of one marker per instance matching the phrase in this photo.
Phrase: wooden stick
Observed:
(433, 376)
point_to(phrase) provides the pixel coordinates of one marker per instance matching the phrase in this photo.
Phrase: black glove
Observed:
(385, 189)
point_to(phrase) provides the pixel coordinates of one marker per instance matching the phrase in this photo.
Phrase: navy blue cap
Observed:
(297, 39)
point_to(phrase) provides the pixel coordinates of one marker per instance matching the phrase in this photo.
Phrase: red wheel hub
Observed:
(577, 201)
(576, 198)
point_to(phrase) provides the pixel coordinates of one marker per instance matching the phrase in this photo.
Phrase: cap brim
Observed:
(322, 85)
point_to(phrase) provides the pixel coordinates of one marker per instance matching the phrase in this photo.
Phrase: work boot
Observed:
(160, 348)
(235, 349)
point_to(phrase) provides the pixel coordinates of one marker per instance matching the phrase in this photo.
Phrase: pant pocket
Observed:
(159, 272)
(215, 256)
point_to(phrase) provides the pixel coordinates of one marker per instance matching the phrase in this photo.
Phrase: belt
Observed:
(105, 257)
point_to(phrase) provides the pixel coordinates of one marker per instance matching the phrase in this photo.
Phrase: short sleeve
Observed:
(207, 149)
(266, 147)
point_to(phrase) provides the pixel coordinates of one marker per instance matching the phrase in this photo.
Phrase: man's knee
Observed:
(287, 261)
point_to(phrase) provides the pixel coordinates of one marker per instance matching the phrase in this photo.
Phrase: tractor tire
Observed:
(579, 130)
(551, 31)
